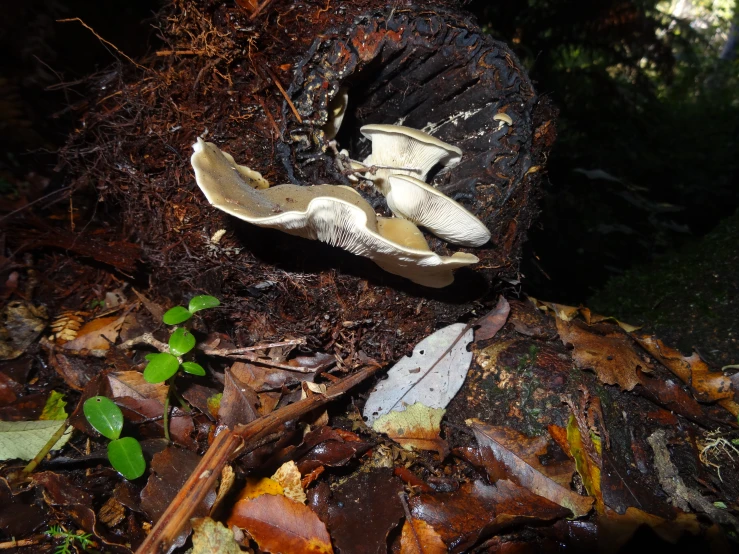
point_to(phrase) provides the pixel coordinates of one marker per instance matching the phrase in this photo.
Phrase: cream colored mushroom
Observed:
(426, 206)
(407, 151)
(252, 177)
(336, 215)
(336, 110)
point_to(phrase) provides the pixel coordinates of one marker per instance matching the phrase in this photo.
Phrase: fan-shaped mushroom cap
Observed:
(252, 177)
(403, 147)
(336, 110)
(336, 215)
(426, 206)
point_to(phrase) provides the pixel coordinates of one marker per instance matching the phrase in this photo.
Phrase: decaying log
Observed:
(260, 91)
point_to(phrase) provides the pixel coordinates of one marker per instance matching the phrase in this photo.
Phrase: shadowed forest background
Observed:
(639, 218)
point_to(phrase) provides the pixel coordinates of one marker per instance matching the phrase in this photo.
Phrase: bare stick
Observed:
(146, 338)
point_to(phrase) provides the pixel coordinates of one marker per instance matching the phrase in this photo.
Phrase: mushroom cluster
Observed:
(338, 215)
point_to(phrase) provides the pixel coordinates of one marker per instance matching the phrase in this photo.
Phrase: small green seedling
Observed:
(164, 365)
(125, 453)
(68, 539)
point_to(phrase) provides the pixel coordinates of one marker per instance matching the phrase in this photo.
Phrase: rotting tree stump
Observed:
(227, 75)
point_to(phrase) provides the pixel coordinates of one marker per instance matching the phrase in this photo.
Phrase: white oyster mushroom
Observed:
(407, 151)
(426, 206)
(336, 215)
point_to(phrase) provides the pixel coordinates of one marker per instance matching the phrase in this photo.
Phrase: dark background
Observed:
(647, 156)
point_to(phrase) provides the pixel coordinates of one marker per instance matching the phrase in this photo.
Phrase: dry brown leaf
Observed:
(417, 427)
(279, 524)
(97, 334)
(132, 384)
(493, 321)
(610, 355)
(257, 486)
(477, 510)
(418, 537)
(289, 478)
(706, 385)
(508, 454)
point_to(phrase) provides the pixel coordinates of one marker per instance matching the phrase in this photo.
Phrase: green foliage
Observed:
(125, 453)
(161, 367)
(181, 342)
(203, 302)
(104, 416)
(126, 457)
(176, 315)
(193, 368)
(54, 409)
(68, 539)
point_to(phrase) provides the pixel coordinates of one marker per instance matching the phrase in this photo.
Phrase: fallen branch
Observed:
(243, 438)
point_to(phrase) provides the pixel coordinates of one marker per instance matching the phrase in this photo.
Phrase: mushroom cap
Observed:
(252, 177)
(403, 147)
(426, 206)
(336, 215)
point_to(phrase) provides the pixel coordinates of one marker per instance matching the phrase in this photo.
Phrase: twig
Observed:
(45, 450)
(269, 116)
(224, 447)
(232, 351)
(146, 338)
(253, 358)
(277, 83)
(23, 542)
(101, 39)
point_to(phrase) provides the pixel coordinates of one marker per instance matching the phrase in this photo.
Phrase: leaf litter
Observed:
(332, 481)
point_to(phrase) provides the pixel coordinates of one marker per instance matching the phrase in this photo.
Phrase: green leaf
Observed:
(22, 440)
(203, 302)
(54, 408)
(150, 356)
(161, 367)
(126, 457)
(105, 417)
(193, 368)
(176, 315)
(181, 342)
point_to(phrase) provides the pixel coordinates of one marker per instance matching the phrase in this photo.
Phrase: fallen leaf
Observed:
(279, 524)
(362, 511)
(211, 537)
(238, 404)
(262, 378)
(417, 427)
(22, 440)
(706, 385)
(493, 321)
(506, 453)
(20, 324)
(288, 476)
(54, 408)
(418, 537)
(589, 471)
(432, 375)
(257, 486)
(477, 510)
(610, 355)
(97, 334)
(330, 447)
(125, 384)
